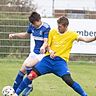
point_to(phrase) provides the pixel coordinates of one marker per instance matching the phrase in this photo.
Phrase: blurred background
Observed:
(14, 18)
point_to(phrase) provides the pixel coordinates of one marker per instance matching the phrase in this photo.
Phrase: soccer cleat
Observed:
(27, 91)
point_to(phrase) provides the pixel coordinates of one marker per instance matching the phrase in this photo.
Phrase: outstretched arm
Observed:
(86, 39)
(19, 35)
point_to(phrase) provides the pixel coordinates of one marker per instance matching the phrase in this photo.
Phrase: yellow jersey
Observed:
(61, 44)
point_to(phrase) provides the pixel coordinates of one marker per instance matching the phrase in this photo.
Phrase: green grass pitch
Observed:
(50, 85)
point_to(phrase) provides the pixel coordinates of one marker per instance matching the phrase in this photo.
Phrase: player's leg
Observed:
(29, 89)
(61, 70)
(76, 87)
(34, 59)
(19, 77)
(24, 84)
(40, 69)
(21, 72)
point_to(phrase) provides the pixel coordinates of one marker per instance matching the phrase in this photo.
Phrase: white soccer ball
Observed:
(8, 91)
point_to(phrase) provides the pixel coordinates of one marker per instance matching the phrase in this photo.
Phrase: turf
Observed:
(50, 85)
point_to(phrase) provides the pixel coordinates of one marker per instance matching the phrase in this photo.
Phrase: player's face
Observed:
(61, 28)
(37, 23)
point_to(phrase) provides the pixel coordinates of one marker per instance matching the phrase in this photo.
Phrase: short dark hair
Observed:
(34, 17)
(63, 20)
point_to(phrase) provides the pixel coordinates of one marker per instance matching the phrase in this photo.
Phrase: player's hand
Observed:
(11, 36)
(52, 54)
(42, 50)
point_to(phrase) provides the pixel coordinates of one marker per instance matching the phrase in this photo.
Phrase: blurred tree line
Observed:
(17, 5)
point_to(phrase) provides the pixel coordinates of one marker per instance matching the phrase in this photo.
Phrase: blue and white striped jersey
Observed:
(39, 34)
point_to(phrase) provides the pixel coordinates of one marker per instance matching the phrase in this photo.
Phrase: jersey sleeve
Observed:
(46, 33)
(29, 29)
(75, 35)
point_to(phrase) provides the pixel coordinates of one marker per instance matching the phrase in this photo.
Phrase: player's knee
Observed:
(23, 71)
(32, 75)
(68, 80)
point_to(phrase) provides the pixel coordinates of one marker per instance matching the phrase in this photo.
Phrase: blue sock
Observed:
(18, 80)
(28, 89)
(78, 89)
(23, 85)
(28, 70)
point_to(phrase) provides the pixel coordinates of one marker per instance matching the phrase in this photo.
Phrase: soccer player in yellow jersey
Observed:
(60, 42)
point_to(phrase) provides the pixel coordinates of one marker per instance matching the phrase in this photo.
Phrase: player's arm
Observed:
(51, 52)
(19, 35)
(86, 39)
(44, 46)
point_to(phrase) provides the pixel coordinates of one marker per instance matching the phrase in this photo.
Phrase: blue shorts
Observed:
(57, 66)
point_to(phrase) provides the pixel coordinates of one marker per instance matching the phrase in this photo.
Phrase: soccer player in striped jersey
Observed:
(60, 42)
(39, 31)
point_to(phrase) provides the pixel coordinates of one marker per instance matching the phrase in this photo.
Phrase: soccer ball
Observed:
(8, 91)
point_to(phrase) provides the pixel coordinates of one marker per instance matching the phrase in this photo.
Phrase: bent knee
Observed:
(23, 69)
(68, 80)
(31, 63)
